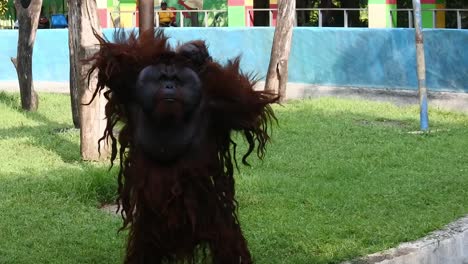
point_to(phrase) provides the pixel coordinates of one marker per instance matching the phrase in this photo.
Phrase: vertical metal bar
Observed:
(206, 19)
(146, 14)
(392, 21)
(421, 67)
(391, 18)
(345, 18)
(156, 20)
(434, 22)
(320, 18)
(295, 19)
(181, 19)
(391, 15)
(459, 24)
(270, 16)
(410, 19)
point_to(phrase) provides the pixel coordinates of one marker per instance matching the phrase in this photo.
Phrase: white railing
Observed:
(409, 11)
(7, 24)
(117, 16)
(320, 12)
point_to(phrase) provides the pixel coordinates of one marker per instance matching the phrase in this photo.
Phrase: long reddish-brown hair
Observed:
(229, 103)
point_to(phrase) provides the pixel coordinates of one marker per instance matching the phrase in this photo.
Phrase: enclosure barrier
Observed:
(320, 11)
(119, 18)
(116, 16)
(434, 15)
(327, 56)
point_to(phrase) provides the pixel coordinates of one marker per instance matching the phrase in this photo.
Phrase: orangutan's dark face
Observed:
(168, 92)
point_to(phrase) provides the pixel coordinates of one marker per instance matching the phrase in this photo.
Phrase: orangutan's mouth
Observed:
(169, 99)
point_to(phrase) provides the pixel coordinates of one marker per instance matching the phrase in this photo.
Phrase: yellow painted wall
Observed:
(377, 12)
(101, 3)
(127, 17)
(440, 16)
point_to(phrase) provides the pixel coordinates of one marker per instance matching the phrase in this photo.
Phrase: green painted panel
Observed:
(128, 5)
(391, 20)
(427, 16)
(54, 7)
(214, 18)
(377, 1)
(236, 16)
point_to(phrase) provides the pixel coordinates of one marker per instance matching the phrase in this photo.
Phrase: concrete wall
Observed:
(446, 246)
(368, 58)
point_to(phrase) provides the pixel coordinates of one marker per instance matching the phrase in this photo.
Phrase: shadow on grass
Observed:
(89, 184)
(51, 216)
(48, 135)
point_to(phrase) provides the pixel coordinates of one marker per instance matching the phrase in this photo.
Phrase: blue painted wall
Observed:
(380, 58)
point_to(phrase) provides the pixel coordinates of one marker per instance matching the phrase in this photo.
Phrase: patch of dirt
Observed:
(65, 130)
(110, 208)
(383, 122)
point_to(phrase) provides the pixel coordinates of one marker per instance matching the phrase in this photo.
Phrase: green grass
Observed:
(343, 178)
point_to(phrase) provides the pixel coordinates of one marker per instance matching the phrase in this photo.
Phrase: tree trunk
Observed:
(83, 19)
(277, 76)
(28, 12)
(74, 88)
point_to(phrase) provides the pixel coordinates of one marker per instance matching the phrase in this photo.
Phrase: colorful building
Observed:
(379, 13)
(429, 19)
(124, 13)
(232, 13)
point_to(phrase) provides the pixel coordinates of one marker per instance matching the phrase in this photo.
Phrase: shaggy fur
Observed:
(182, 210)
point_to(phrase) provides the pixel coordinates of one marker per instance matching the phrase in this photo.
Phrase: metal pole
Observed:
(345, 15)
(270, 17)
(421, 67)
(181, 18)
(146, 15)
(320, 18)
(410, 19)
(157, 19)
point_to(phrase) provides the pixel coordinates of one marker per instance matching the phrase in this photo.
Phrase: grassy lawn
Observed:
(342, 178)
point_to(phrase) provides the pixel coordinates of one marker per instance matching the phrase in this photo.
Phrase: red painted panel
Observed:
(391, 2)
(275, 15)
(137, 18)
(102, 14)
(249, 18)
(235, 2)
(428, 1)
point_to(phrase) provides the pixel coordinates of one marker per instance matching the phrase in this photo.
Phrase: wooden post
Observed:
(28, 12)
(146, 13)
(421, 67)
(83, 20)
(277, 76)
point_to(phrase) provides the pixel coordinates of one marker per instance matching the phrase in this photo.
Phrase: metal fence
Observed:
(321, 14)
(218, 18)
(460, 14)
(6, 23)
(183, 18)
